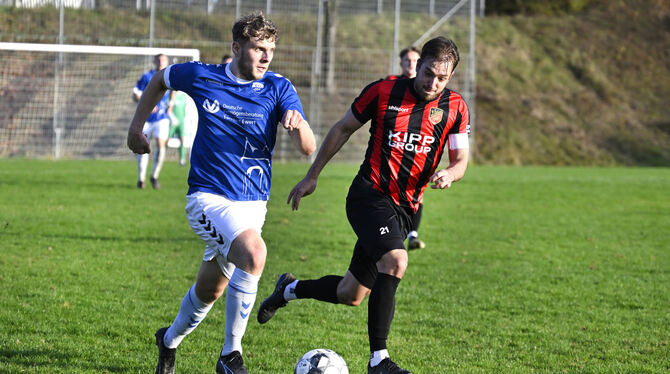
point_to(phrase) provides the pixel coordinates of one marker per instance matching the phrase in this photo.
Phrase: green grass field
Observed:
(535, 269)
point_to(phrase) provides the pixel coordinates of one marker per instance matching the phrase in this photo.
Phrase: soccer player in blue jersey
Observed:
(157, 125)
(239, 106)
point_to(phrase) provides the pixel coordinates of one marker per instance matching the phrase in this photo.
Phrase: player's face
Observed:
(432, 77)
(408, 64)
(253, 58)
(161, 62)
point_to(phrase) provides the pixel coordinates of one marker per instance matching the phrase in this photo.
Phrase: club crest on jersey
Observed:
(435, 115)
(210, 106)
(257, 86)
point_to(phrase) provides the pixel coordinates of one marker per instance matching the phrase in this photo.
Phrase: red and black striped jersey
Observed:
(407, 136)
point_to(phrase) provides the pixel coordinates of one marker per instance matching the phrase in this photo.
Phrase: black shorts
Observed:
(380, 226)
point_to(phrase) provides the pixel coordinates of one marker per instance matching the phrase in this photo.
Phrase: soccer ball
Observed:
(321, 361)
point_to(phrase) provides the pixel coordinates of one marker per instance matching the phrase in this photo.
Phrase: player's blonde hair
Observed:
(254, 25)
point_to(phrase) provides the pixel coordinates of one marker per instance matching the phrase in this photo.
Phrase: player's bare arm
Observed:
(153, 93)
(337, 136)
(301, 134)
(173, 93)
(458, 162)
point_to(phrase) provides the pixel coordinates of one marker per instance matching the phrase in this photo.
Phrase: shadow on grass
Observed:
(144, 239)
(79, 184)
(44, 359)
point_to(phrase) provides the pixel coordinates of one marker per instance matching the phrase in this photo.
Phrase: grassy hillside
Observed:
(586, 88)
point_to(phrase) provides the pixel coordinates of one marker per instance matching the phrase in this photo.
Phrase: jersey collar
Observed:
(235, 78)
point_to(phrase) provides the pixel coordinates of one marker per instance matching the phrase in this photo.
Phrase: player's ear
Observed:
(453, 69)
(418, 66)
(236, 48)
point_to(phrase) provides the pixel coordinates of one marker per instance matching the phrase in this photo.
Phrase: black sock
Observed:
(381, 307)
(323, 289)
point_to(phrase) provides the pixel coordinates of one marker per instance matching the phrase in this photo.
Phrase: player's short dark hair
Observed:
(407, 50)
(254, 25)
(441, 49)
(225, 57)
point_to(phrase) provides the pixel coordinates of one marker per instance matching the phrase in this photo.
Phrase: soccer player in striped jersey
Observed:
(239, 106)
(411, 123)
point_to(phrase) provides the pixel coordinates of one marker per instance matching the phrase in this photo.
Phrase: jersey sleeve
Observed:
(181, 76)
(364, 106)
(141, 84)
(458, 134)
(289, 99)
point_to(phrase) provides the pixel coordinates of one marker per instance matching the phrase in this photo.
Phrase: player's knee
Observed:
(354, 301)
(255, 253)
(248, 252)
(394, 263)
(351, 297)
(257, 256)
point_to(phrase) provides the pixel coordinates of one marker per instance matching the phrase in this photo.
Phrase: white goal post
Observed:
(71, 101)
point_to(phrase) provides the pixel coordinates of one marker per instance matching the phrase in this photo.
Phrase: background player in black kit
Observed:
(408, 59)
(411, 122)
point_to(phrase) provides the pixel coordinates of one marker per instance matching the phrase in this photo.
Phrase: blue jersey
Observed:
(237, 127)
(162, 106)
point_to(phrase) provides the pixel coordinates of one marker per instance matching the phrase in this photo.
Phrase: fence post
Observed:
(152, 16)
(56, 122)
(396, 37)
(315, 86)
(471, 77)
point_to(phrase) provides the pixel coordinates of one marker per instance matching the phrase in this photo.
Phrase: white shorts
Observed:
(159, 129)
(218, 221)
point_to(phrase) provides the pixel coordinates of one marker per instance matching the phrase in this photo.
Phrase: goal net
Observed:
(71, 101)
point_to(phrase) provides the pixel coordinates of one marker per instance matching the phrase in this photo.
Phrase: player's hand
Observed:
(441, 179)
(292, 120)
(138, 142)
(303, 188)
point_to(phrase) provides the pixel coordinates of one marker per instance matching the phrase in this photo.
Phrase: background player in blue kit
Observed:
(239, 107)
(157, 126)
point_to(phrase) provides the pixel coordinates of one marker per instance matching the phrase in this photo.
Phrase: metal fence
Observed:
(330, 49)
